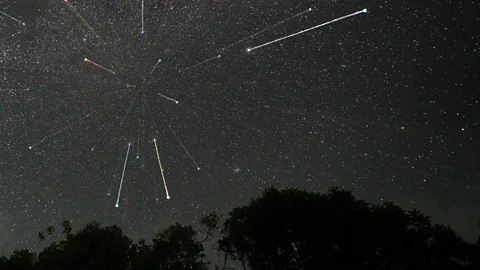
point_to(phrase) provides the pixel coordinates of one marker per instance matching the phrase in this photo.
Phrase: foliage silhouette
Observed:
(67, 227)
(282, 229)
(20, 260)
(292, 229)
(50, 230)
(175, 248)
(41, 236)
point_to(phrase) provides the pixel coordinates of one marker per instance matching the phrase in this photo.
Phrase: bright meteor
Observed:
(169, 98)
(15, 19)
(143, 11)
(161, 170)
(154, 67)
(91, 62)
(306, 30)
(123, 175)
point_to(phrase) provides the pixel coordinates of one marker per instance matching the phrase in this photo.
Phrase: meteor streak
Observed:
(123, 175)
(143, 7)
(153, 69)
(15, 19)
(161, 170)
(138, 140)
(91, 62)
(201, 63)
(73, 124)
(183, 146)
(158, 62)
(251, 36)
(270, 27)
(171, 99)
(306, 30)
(84, 21)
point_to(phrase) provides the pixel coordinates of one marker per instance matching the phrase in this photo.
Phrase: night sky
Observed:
(385, 103)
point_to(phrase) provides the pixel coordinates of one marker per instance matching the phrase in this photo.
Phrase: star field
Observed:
(385, 103)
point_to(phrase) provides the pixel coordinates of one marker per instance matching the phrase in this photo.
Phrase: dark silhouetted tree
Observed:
(21, 260)
(67, 227)
(93, 247)
(283, 229)
(3, 262)
(209, 225)
(293, 229)
(41, 236)
(50, 230)
(176, 248)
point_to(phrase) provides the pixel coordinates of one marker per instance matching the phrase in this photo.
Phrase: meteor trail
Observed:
(138, 145)
(176, 101)
(270, 27)
(184, 148)
(143, 7)
(123, 174)
(306, 30)
(83, 20)
(153, 69)
(138, 140)
(251, 36)
(161, 170)
(59, 131)
(32, 146)
(158, 62)
(91, 62)
(15, 19)
(201, 63)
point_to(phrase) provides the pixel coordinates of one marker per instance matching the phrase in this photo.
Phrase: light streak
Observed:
(306, 30)
(161, 170)
(123, 175)
(15, 19)
(104, 68)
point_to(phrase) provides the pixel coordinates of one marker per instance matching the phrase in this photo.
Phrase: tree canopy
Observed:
(282, 229)
(292, 229)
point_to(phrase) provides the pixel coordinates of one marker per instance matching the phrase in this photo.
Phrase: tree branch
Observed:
(206, 238)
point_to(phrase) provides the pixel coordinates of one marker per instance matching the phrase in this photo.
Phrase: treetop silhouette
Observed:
(282, 229)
